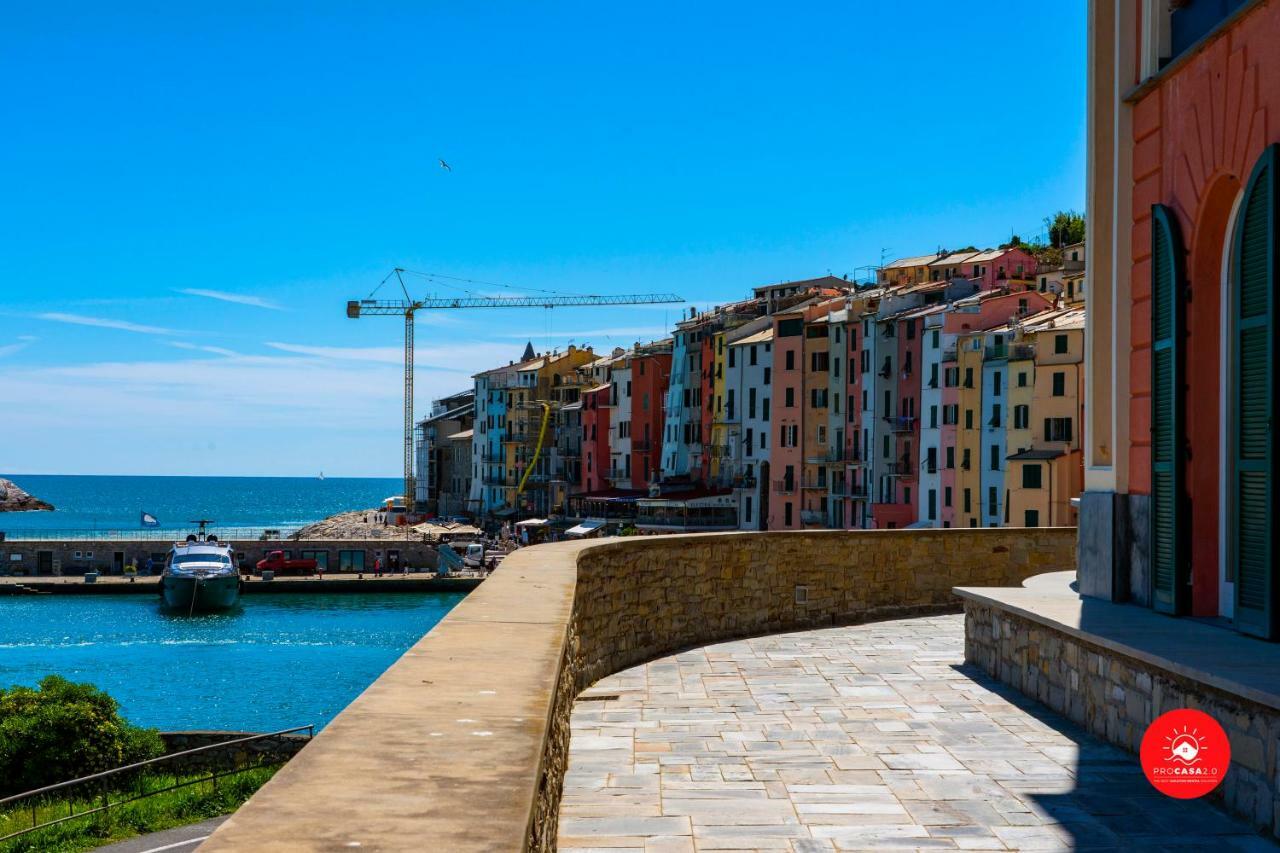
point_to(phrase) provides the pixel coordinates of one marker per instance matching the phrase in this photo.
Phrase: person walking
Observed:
(377, 567)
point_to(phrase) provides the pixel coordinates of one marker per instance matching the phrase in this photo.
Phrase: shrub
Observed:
(64, 730)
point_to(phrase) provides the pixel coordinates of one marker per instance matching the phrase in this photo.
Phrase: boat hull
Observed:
(200, 595)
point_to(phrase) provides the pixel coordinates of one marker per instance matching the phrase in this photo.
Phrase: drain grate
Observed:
(599, 697)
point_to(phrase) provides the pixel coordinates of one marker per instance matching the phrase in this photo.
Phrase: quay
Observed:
(330, 583)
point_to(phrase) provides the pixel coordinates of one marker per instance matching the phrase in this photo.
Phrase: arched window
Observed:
(1252, 475)
(1169, 555)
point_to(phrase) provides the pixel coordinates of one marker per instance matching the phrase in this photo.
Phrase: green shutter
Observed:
(1253, 401)
(1170, 592)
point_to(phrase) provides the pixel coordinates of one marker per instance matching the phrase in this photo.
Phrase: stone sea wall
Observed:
(1116, 697)
(639, 600)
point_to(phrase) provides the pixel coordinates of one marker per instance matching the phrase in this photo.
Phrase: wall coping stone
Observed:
(460, 744)
(1228, 661)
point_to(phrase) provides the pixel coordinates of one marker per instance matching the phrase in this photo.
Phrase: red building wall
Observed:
(595, 439)
(1196, 135)
(650, 377)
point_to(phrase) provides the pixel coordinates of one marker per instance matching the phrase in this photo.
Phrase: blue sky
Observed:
(191, 193)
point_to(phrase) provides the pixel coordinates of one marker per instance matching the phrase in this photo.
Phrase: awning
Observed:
(533, 522)
(586, 528)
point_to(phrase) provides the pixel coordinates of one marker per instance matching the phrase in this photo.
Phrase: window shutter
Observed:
(1169, 557)
(1253, 401)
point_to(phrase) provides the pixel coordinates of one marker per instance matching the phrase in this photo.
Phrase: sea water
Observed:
(117, 503)
(275, 662)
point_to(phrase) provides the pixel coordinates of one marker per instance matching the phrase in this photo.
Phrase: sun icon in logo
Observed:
(1185, 746)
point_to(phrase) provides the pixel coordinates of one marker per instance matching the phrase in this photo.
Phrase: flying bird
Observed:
(445, 166)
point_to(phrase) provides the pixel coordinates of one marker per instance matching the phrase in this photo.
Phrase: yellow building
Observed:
(719, 413)
(1046, 471)
(540, 380)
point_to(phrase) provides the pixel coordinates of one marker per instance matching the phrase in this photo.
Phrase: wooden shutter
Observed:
(1253, 401)
(1169, 573)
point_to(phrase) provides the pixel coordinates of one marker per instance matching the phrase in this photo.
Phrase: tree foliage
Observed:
(1064, 228)
(63, 730)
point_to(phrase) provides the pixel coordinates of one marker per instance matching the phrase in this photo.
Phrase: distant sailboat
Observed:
(321, 475)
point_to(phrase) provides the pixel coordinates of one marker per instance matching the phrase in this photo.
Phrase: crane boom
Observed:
(408, 308)
(397, 307)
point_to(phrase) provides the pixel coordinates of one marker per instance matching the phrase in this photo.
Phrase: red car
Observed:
(276, 562)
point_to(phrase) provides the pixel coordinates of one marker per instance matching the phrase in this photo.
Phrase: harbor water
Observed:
(274, 662)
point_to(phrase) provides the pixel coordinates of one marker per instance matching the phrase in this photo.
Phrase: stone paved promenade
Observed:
(870, 737)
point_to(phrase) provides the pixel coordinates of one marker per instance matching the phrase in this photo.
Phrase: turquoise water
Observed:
(275, 662)
(118, 502)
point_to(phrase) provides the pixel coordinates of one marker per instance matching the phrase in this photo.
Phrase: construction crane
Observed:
(409, 307)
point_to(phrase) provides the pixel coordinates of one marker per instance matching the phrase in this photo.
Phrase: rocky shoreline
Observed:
(360, 524)
(15, 499)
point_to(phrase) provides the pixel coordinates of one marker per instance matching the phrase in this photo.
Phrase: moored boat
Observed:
(200, 575)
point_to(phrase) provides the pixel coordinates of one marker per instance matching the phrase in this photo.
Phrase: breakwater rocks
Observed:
(361, 524)
(14, 499)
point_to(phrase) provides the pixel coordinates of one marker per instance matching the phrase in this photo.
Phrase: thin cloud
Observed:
(628, 332)
(23, 342)
(237, 298)
(203, 348)
(105, 323)
(378, 355)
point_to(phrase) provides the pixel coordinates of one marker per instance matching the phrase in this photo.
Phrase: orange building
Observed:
(1180, 458)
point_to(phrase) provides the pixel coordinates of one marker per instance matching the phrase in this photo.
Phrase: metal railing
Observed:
(149, 534)
(125, 782)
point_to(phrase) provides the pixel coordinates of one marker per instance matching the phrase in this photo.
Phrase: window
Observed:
(951, 414)
(934, 339)
(732, 353)
(968, 418)
(997, 379)
(786, 513)
(351, 561)
(1022, 417)
(911, 333)
(993, 501)
(1031, 475)
(951, 460)
(1022, 379)
(746, 508)
(933, 417)
(789, 397)
(751, 402)
(995, 457)
(764, 409)
(968, 503)
(1057, 429)
(933, 376)
(964, 462)
(791, 359)
(1060, 384)
(931, 463)
(749, 444)
(932, 503)
(768, 375)
(946, 496)
(968, 377)
(1032, 518)
(1060, 344)
(790, 328)
(321, 558)
(753, 357)
(995, 414)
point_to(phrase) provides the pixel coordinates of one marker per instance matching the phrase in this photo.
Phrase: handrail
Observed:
(128, 768)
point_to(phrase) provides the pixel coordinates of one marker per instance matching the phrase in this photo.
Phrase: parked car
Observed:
(278, 563)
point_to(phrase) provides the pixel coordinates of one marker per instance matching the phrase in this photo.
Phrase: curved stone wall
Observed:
(462, 743)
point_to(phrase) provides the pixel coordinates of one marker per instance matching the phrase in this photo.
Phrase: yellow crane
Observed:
(409, 307)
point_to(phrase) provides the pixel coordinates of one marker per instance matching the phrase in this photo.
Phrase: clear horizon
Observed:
(193, 196)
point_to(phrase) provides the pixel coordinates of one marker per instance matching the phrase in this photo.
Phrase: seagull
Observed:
(445, 166)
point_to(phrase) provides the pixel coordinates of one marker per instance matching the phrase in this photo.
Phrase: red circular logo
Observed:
(1185, 754)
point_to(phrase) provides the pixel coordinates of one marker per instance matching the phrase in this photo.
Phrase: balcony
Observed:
(996, 353)
(901, 423)
(949, 355)
(810, 483)
(827, 456)
(812, 516)
(641, 445)
(784, 487)
(900, 468)
(1022, 352)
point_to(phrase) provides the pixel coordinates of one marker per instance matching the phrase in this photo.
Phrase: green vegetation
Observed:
(178, 807)
(64, 730)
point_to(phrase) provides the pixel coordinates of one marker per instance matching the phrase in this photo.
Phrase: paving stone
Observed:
(874, 737)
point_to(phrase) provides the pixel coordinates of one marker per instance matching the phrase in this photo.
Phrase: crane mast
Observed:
(409, 307)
